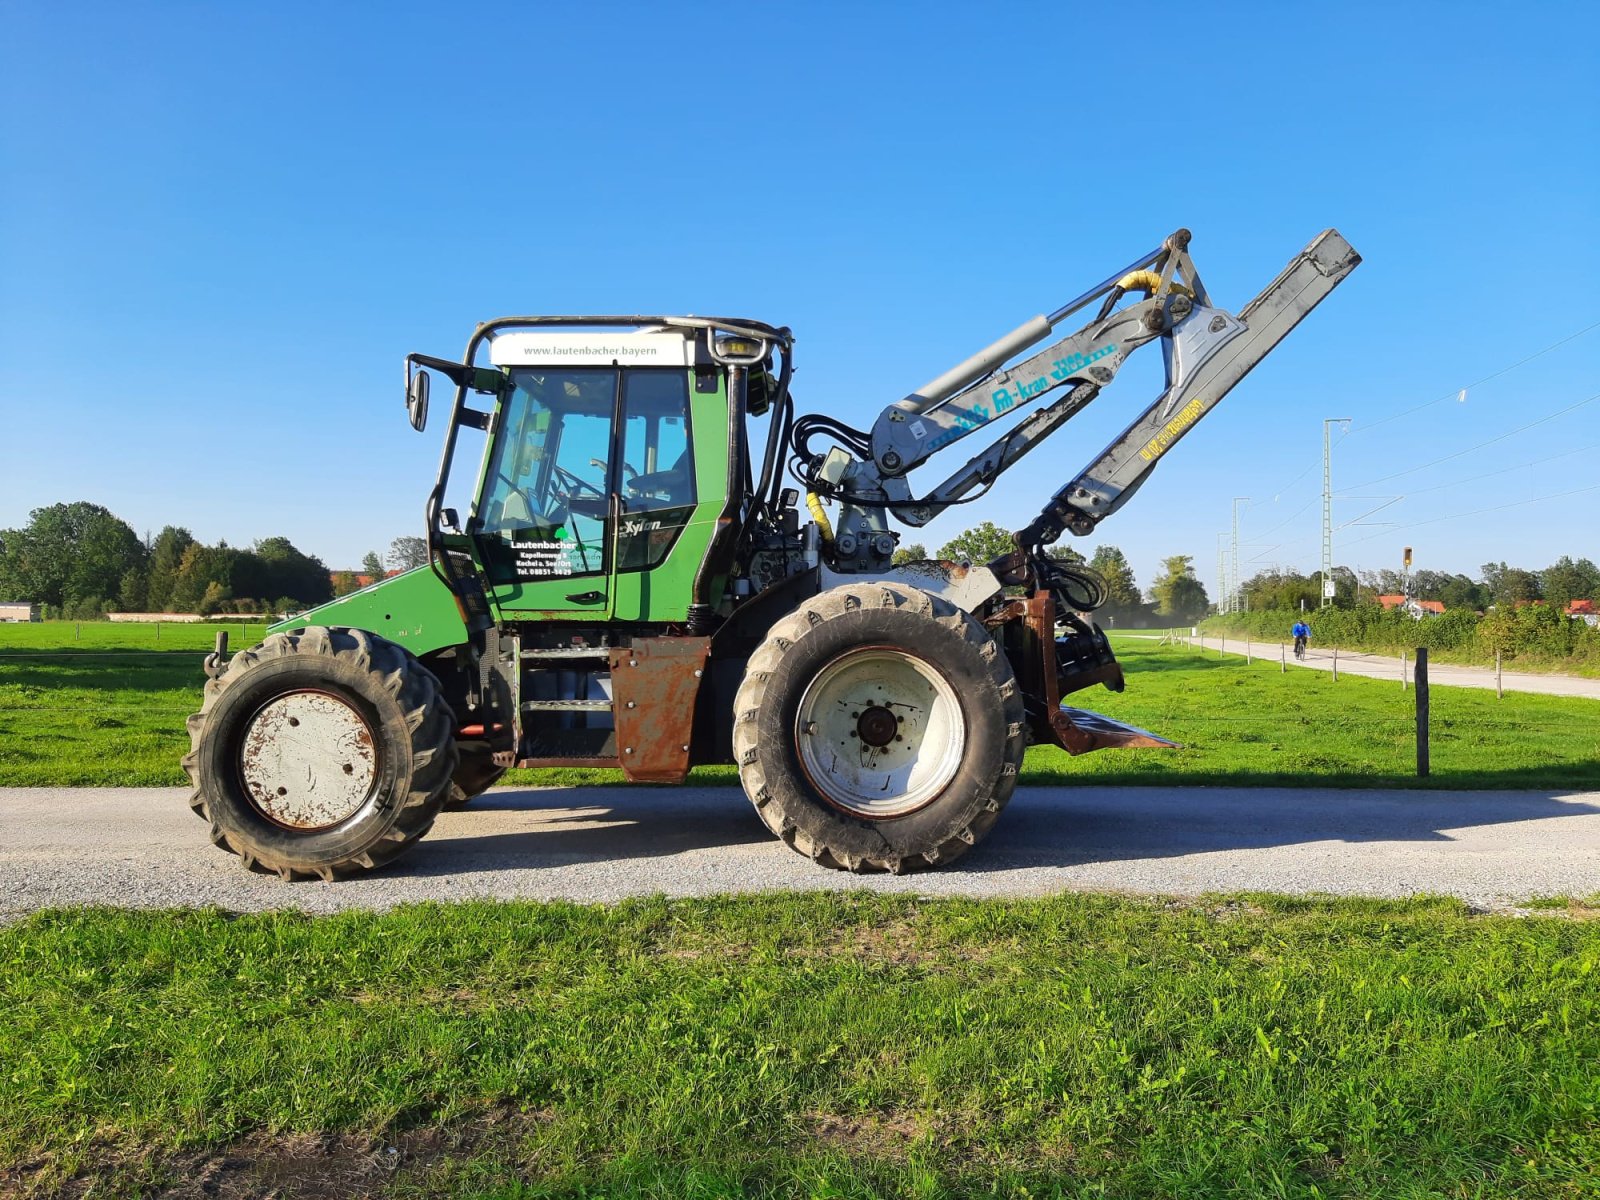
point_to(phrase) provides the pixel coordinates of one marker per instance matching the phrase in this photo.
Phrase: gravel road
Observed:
(1382, 666)
(141, 847)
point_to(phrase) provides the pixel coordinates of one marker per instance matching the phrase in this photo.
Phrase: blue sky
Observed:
(222, 227)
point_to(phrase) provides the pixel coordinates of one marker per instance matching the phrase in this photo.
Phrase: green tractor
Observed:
(635, 586)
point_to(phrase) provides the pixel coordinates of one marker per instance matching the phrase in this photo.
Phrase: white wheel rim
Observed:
(879, 732)
(308, 760)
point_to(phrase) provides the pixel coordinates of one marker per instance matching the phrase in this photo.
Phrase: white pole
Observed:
(1499, 691)
(1283, 660)
(1402, 670)
(1336, 664)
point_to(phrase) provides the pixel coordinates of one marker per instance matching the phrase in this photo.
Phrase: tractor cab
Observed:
(616, 475)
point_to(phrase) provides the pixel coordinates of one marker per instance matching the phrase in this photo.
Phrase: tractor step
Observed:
(568, 654)
(566, 706)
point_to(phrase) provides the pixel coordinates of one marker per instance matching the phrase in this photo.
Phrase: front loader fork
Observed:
(1048, 667)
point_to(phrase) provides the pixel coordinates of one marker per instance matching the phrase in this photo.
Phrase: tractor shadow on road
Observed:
(1042, 827)
(510, 829)
(1076, 826)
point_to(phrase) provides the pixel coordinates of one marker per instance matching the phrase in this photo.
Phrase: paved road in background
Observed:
(1380, 666)
(141, 847)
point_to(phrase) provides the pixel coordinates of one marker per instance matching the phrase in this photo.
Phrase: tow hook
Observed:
(216, 661)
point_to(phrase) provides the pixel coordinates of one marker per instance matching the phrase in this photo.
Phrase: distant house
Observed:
(19, 612)
(1417, 608)
(1585, 611)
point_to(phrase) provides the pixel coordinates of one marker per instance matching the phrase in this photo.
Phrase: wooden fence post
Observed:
(1283, 660)
(1499, 689)
(1336, 664)
(1247, 652)
(1422, 711)
(1402, 670)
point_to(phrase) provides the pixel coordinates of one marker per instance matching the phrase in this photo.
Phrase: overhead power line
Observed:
(1478, 512)
(1452, 393)
(1502, 437)
(1481, 475)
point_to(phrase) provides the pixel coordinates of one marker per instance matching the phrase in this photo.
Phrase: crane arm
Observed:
(1206, 350)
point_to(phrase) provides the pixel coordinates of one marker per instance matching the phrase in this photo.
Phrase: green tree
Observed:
(166, 557)
(131, 593)
(345, 582)
(372, 566)
(1177, 592)
(981, 544)
(1564, 581)
(408, 553)
(912, 552)
(1510, 585)
(1272, 589)
(216, 595)
(301, 577)
(1460, 592)
(1123, 602)
(68, 553)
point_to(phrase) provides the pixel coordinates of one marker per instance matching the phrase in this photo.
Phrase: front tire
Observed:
(321, 752)
(879, 728)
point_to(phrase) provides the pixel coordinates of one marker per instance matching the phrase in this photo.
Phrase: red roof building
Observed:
(1433, 608)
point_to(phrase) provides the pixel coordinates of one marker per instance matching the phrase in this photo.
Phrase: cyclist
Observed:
(1301, 632)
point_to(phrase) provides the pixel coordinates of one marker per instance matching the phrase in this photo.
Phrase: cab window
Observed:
(657, 459)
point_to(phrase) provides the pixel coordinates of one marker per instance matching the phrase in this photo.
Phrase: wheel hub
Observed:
(308, 760)
(877, 726)
(880, 732)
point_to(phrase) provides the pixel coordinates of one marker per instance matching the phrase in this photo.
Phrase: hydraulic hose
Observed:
(824, 526)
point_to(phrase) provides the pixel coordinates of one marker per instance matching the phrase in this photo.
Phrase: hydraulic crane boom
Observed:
(1206, 351)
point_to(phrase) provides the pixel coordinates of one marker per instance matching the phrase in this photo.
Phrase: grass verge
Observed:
(100, 715)
(805, 1045)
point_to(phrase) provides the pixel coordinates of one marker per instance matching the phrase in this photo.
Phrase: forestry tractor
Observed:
(635, 585)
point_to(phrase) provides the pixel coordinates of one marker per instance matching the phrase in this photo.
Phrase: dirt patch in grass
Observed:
(287, 1166)
(882, 1136)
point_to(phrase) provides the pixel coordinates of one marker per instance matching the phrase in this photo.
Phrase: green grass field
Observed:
(109, 709)
(810, 1045)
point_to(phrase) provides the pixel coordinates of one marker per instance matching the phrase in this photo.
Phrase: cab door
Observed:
(602, 492)
(544, 524)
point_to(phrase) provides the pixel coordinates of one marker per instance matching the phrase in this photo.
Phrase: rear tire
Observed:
(879, 728)
(321, 752)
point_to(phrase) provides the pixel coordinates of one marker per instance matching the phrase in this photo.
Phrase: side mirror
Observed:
(417, 400)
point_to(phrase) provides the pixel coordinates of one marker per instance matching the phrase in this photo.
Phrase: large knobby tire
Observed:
(319, 752)
(879, 728)
(475, 774)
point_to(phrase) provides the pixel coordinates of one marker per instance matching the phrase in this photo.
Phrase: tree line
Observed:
(80, 560)
(1497, 586)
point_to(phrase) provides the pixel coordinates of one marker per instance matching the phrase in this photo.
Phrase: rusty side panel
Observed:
(1027, 625)
(654, 685)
